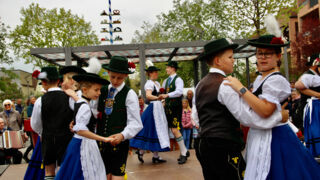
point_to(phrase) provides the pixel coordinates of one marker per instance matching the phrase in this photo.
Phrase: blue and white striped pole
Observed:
(110, 23)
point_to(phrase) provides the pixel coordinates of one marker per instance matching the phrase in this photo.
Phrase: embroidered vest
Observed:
(177, 101)
(117, 120)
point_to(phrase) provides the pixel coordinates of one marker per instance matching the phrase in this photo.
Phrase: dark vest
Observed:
(55, 113)
(215, 119)
(304, 97)
(177, 101)
(92, 122)
(117, 120)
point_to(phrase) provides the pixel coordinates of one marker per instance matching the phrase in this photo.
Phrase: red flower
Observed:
(276, 40)
(35, 74)
(132, 65)
(162, 91)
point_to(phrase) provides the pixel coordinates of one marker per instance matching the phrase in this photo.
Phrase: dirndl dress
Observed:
(82, 159)
(148, 138)
(312, 126)
(289, 157)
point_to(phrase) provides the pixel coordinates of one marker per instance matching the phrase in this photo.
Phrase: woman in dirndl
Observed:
(309, 85)
(154, 136)
(275, 153)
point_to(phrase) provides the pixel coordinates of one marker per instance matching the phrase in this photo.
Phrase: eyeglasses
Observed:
(266, 54)
(7, 105)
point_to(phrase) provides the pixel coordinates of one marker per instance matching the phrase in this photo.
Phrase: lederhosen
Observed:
(173, 107)
(219, 143)
(56, 116)
(298, 121)
(114, 157)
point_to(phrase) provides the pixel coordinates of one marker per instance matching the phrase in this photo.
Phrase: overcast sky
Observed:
(133, 13)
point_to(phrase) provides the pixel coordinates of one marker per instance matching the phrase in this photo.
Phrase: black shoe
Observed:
(187, 154)
(183, 159)
(158, 160)
(140, 157)
(26, 159)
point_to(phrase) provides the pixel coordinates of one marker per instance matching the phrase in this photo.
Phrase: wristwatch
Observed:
(243, 90)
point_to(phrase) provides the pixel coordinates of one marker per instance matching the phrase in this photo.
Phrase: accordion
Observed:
(12, 139)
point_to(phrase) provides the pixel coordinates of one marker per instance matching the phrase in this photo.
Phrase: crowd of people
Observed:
(87, 124)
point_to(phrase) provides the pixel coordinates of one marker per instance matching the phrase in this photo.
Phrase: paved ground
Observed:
(137, 171)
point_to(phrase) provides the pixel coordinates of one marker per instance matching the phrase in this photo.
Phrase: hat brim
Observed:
(204, 56)
(116, 70)
(254, 43)
(156, 69)
(90, 78)
(75, 69)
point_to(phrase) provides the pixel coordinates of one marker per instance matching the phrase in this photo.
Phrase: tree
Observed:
(4, 53)
(247, 16)
(8, 88)
(307, 41)
(42, 28)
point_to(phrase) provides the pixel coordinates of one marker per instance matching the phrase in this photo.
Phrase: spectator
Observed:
(142, 105)
(30, 107)
(187, 122)
(4, 153)
(189, 97)
(11, 117)
(19, 106)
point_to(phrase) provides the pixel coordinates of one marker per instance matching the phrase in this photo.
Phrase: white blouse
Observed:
(275, 89)
(151, 84)
(310, 80)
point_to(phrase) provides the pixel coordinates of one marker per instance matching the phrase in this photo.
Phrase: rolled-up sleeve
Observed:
(36, 121)
(134, 124)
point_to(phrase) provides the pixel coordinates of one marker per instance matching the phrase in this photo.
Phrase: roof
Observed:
(156, 52)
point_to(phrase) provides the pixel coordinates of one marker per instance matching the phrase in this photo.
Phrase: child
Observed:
(154, 136)
(82, 159)
(119, 117)
(217, 108)
(187, 122)
(279, 147)
(50, 119)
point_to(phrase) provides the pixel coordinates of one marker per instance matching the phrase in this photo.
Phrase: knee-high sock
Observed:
(183, 149)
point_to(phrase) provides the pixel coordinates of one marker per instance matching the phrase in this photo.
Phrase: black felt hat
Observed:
(268, 41)
(68, 69)
(90, 77)
(152, 68)
(173, 64)
(49, 73)
(118, 64)
(216, 46)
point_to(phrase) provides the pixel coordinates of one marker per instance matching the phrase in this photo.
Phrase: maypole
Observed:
(110, 24)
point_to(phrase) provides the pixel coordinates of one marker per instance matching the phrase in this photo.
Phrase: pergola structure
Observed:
(139, 53)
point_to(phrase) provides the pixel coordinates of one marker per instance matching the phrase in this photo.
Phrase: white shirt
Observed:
(93, 104)
(151, 84)
(36, 120)
(178, 92)
(134, 123)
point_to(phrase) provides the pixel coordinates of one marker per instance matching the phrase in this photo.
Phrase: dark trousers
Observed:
(15, 153)
(220, 159)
